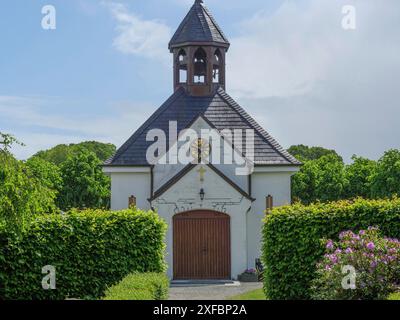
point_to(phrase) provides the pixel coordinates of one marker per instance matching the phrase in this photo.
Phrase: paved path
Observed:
(210, 292)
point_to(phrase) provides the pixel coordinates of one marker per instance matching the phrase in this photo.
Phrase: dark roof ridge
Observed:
(203, 22)
(214, 21)
(264, 134)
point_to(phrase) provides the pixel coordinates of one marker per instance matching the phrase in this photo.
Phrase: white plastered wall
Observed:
(278, 185)
(124, 185)
(219, 196)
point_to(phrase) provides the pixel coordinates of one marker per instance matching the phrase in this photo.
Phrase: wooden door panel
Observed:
(201, 246)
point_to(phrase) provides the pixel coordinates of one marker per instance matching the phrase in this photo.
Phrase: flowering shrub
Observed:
(358, 266)
(251, 271)
(292, 237)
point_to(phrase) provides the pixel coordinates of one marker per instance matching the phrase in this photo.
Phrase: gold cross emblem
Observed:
(202, 172)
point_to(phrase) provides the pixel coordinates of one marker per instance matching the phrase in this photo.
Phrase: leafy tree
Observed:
(48, 173)
(60, 153)
(386, 180)
(22, 194)
(84, 184)
(320, 180)
(359, 176)
(304, 183)
(331, 179)
(7, 140)
(103, 151)
(305, 153)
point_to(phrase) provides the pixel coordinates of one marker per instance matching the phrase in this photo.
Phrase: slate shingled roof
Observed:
(198, 26)
(219, 109)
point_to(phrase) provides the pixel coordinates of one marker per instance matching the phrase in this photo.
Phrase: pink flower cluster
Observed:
(251, 271)
(375, 259)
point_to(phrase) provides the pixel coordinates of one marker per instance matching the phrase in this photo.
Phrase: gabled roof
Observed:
(219, 109)
(199, 26)
(189, 168)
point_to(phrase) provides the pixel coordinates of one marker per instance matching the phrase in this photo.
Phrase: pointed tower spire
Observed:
(199, 26)
(199, 47)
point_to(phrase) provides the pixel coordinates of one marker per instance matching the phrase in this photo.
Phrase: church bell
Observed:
(200, 68)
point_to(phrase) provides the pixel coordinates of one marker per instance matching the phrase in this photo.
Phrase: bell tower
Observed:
(199, 47)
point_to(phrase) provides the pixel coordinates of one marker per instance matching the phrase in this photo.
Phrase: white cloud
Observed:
(146, 38)
(301, 44)
(37, 123)
(309, 81)
(285, 53)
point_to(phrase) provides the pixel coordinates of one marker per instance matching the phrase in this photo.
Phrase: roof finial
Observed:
(199, 1)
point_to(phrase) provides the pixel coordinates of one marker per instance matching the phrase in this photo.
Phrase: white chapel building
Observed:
(203, 163)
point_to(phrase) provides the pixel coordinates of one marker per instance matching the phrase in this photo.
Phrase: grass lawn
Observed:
(140, 286)
(259, 295)
(251, 295)
(395, 296)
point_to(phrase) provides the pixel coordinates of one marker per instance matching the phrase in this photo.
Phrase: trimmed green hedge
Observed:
(90, 251)
(140, 286)
(3, 243)
(292, 239)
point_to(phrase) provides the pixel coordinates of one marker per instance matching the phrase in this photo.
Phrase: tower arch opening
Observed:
(182, 67)
(200, 66)
(217, 66)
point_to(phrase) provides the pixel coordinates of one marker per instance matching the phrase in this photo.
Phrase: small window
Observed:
(216, 75)
(181, 56)
(216, 66)
(183, 73)
(200, 79)
(217, 56)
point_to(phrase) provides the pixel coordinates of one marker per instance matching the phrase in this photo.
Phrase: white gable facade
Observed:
(215, 202)
(175, 189)
(246, 214)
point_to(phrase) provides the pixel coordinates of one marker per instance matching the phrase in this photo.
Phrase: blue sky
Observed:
(78, 61)
(106, 68)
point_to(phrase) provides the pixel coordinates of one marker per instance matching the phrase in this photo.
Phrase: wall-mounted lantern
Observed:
(269, 204)
(132, 202)
(202, 194)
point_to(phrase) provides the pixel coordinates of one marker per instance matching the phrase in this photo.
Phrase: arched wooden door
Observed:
(202, 246)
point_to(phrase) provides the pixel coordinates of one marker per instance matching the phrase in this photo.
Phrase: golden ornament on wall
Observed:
(200, 149)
